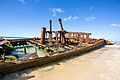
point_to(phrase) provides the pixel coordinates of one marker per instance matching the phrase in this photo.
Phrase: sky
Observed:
(24, 18)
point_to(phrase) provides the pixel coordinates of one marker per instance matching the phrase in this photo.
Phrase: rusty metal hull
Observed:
(10, 68)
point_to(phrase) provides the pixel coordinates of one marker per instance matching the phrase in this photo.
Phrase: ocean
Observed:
(11, 37)
(117, 42)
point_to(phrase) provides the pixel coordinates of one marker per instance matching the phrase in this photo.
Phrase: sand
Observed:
(101, 64)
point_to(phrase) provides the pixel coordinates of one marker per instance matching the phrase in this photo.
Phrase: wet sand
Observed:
(101, 64)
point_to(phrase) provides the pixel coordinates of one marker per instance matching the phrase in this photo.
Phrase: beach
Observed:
(100, 64)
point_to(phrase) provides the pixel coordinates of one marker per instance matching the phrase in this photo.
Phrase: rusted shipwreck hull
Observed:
(10, 68)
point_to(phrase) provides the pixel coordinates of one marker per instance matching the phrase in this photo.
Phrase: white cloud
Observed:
(22, 1)
(75, 17)
(90, 19)
(115, 25)
(56, 11)
(70, 18)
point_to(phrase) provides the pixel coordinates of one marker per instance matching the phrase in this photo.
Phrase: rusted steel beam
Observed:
(79, 32)
(56, 35)
(51, 25)
(77, 35)
(25, 50)
(42, 40)
(61, 24)
(50, 33)
(62, 34)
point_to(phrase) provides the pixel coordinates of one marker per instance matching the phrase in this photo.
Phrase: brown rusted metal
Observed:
(56, 35)
(42, 40)
(77, 36)
(50, 33)
(61, 24)
(25, 50)
(62, 34)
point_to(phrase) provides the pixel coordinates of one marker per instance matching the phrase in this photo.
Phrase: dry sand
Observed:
(101, 64)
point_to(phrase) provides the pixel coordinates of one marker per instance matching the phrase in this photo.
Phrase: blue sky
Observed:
(24, 18)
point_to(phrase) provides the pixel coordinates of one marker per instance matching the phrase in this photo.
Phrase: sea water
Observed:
(21, 53)
(117, 42)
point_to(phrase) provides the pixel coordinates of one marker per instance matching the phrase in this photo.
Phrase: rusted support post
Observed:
(50, 25)
(50, 33)
(87, 35)
(56, 35)
(42, 40)
(25, 50)
(61, 24)
(62, 34)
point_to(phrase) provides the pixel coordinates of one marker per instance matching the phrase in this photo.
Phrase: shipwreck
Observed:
(52, 46)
